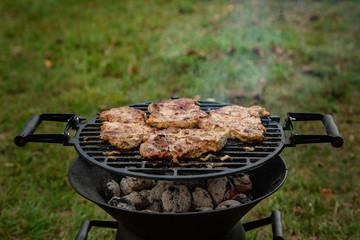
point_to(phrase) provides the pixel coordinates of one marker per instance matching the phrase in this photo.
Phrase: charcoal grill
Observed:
(96, 161)
(88, 180)
(243, 156)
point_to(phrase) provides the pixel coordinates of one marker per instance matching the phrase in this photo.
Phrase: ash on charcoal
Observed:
(201, 198)
(227, 204)
(130, 184)
(242, 183)
(139, 199)
(192, 184)
(176, 199)
(159, 189)
(122, 202)
(155, 206)
(112, 189)
(179, 196)
(220, 189)
(242, 198)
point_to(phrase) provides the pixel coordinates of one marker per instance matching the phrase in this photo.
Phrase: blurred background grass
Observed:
(86, 56)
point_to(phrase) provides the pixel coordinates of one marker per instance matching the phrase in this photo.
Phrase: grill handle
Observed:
(26, 134)
(333, 136)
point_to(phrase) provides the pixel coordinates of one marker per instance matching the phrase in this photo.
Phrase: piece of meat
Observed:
(123, 135)
(177, 143)
(242, 112)
(124, 127)
(181, 113)
(124, 115)
(238, 122)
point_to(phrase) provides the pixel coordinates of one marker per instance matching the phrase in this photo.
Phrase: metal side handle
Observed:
(333, 136)
(27, 133)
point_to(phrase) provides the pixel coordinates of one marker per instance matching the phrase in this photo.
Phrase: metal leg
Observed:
(274, 219)
(86, 226)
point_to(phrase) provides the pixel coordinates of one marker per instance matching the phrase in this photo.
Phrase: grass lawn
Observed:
(86, 56)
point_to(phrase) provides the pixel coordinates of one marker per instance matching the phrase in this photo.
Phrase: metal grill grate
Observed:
(242, 156)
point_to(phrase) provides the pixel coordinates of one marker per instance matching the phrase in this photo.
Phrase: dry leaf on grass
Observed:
(257, 51)
(326, 193)
(48, 63)
(217, 55)
(230, 50)
(307, 69)
(194, 52)
(277, 50)
(132, 70)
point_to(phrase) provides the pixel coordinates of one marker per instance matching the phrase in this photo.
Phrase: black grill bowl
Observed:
(88, 179)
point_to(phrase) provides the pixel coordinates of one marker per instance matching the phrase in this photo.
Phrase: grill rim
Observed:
(149, 173)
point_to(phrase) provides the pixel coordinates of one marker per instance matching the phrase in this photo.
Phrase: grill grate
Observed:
(242, 156)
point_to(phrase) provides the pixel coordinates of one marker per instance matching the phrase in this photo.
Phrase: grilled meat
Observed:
(181, 113)
(123, 135)
(124, 115)
(124, 127)
(177, 143)
(238, 122)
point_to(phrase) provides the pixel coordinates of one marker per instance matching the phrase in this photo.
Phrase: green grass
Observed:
(86, 56)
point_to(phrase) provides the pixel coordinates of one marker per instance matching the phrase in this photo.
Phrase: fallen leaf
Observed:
(307, 69)
(217, 55)
(59, 41)
(231, 49)
(277, 50)
(257, 51)
(326, 193)
(132, 70)
(48, 63)
(194, 52)
(16, 51)
(314, 17)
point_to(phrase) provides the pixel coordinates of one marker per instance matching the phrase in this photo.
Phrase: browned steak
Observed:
(124, 115)
(238, 122)
(181, 113)
(124, 135)
(177, 143)
(124, 127)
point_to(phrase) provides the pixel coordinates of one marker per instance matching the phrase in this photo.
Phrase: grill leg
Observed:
(86, 226)
(274, 219)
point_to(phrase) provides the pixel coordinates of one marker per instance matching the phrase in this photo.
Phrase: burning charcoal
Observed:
(121, 202)
(241, 198)
(176, 199)
(112, 189)
(129, 184)
(242, 183)
(139, 199)
(192, 184)
(203, 209)
(159, 189)
(220, 189)
(227, 204)
(155, 206)
(201, 198)
(125, 187)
